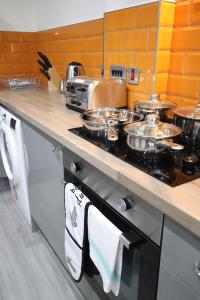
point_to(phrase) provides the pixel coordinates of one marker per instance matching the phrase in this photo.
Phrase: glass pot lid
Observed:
(188, 112)
(154, 104)
(152, 128)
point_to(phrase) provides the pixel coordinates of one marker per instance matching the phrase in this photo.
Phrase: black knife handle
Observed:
(45, 73)
(45, 59)
(44, 66)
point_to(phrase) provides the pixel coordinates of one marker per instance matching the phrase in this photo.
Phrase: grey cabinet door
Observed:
(46, 192)
(172, 287)
(180, 252)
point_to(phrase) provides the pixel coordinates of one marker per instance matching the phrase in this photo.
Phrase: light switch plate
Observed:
(118, 72)
(133, 74)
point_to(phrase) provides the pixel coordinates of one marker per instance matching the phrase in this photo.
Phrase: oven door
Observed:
(140, 262)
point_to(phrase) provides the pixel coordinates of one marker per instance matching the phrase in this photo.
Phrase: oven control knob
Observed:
(75, 167)
(125, 204)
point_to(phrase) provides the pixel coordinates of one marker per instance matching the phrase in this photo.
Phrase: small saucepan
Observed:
(152, 136)
(154, 105)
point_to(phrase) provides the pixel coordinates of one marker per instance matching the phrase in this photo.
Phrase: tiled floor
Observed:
(29, 270)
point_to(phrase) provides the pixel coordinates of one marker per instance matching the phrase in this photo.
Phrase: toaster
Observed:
(84, 93)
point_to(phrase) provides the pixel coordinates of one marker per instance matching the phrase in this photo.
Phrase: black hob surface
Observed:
(166, 166)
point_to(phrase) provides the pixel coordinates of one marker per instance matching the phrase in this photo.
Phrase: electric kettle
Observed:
(74, 69)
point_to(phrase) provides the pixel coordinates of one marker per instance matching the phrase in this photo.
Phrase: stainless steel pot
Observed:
(154, 105)
(74, 69)
(105, 121)
(152, 135)
(188, 119)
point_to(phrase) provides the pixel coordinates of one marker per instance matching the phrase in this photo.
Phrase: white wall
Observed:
(119, 4)
(34, 15)
(17, 15)
(51, 13)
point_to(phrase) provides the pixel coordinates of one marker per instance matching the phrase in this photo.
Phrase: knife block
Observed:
(51, 86)
(54, 83)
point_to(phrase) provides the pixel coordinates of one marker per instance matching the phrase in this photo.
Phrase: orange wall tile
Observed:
(147, 15)
(184, 85)
(163, 61)
(167, 10)
(177, 62)
(164, 39)
(186, 38)
(15, 52)
(195, 13)
(113, 41)
(184, 74)
(181, 17)
(192, 63)
(121, 20)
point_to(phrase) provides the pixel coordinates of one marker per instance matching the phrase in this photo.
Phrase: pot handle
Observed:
(169, 144)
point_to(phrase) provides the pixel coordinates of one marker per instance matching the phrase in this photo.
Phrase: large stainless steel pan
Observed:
(106, 121)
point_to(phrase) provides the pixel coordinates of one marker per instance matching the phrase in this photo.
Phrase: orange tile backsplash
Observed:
(184, 73)
(160, 38)
(79, 42)
(130, 40)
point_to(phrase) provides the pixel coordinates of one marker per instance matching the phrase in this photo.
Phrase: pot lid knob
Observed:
(152, 119)
(155, 97)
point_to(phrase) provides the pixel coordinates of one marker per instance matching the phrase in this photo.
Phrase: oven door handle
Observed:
(130, 239)
(77, 185)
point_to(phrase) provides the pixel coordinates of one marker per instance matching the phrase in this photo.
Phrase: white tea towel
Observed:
(76, 208)
(106, 250)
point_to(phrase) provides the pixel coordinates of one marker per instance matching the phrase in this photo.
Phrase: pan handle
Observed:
(171, 145)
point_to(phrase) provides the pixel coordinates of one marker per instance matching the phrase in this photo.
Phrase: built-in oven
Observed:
(140, 223)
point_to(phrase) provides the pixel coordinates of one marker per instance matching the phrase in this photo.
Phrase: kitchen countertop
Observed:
(46, 111)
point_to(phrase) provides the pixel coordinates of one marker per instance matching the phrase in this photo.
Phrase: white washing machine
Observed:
(15, 160)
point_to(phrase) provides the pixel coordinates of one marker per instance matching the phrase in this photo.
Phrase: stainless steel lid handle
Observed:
(155, 97)
(197, 267)
(152, 120)
(112, 134)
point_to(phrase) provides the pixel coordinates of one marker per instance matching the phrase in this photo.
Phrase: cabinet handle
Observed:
(55, 147)
(197, 267)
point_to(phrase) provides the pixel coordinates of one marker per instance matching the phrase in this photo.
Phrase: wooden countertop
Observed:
(47, 111)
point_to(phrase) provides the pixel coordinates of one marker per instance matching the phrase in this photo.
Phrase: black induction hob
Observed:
(166, 167)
